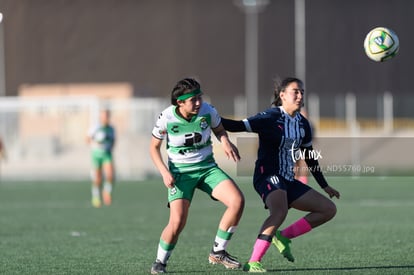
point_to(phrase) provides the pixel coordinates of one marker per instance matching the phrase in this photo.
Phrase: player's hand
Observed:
(232, 152)
(168, 180)
(331, 192)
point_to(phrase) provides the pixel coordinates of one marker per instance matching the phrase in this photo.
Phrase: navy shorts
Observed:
(294, 189)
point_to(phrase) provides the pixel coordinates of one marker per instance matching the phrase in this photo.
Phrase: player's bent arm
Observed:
(220, 133)
(315, 169)
(155, 152)
(229, 148)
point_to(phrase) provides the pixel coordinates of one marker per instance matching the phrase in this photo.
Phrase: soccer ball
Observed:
(381, 44)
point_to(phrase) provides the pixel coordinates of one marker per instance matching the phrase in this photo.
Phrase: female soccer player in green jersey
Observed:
(186, 126)
(101, 138)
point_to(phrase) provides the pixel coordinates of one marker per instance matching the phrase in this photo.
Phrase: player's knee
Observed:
(236, 206)
(278, 215)
(281, 215)
(330, 211)
(235, 201)
(239, 202)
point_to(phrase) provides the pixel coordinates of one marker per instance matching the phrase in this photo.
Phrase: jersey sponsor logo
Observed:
(192, 138)
(174, 129)
(160, 131)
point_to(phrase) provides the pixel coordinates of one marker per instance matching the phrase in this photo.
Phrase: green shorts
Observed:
(205, 180)
(100, 157)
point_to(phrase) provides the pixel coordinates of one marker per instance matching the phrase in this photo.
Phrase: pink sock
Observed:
(259, 249)
(296, 229)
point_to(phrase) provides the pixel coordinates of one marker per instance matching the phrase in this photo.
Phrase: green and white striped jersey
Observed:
(189, 145)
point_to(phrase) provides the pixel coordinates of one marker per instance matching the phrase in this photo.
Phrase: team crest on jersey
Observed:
(203, 123)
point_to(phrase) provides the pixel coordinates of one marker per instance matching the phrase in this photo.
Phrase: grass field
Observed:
(50, 228)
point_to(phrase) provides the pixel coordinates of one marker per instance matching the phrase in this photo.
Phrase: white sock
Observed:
(108, 186)
(95, 191)
(221, 243)
(163, 255)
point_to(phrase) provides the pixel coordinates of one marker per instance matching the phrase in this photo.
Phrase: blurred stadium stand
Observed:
(143, 47)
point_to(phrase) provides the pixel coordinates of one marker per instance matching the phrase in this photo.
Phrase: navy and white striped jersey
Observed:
(280, 137)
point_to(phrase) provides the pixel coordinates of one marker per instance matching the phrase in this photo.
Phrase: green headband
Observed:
(190, 94)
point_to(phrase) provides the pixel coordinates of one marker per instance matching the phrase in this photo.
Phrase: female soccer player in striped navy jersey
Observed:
(186, 126)
(283, 131)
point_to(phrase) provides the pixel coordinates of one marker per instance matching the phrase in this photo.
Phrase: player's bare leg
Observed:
(169, 236)
(230, 195)
(276, 201)
(96, 187)
(320, 207)
(321, 210)
(108, 169)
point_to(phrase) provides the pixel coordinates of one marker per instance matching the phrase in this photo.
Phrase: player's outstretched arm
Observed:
(233, 125)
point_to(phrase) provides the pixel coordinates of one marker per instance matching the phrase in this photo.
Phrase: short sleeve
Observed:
(215, 117)
(160, 129)
(257, 122)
